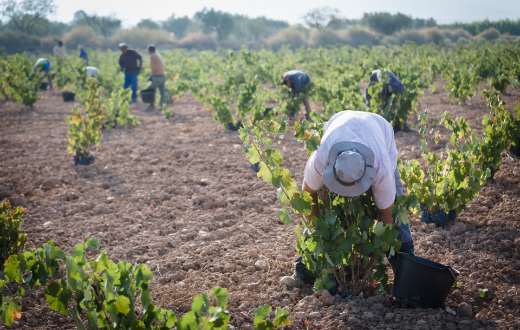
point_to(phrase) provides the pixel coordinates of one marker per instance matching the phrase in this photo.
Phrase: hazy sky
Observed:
(444, 11)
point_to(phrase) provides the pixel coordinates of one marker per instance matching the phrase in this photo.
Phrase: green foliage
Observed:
(18, 83)
(451, 179)
(118, 110)
(498, 128)
(12, 237)
(462, 82)
(99, 293)
(263, 321)
(344, 242)
(86, 123)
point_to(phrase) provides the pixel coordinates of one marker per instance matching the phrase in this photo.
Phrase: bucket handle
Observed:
(454, 273)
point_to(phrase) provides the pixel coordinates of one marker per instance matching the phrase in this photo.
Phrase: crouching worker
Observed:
(391, 86)
(42, 71)
(300, 84)
(357, 154)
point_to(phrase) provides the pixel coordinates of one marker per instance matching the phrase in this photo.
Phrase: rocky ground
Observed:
(179, 195)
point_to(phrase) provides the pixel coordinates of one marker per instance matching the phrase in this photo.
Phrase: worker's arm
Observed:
(307, 107)
(314, 195)
(140, 60)
(386, 215)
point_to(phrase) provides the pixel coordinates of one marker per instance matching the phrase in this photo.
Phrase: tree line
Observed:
(25, 26)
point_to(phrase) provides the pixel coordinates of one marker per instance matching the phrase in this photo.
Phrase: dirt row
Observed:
(179, 195)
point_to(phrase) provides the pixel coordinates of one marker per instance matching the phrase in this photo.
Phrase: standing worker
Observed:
(158, 78)
(300, 84)
(131, 64)
(83, 55)
(42, 69)
(357, 154)
(59, 50)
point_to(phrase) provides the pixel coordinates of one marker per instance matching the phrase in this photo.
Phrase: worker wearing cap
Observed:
(391, 85)
(357, 154)
(300, 84)
(42, 68)
(131, 64)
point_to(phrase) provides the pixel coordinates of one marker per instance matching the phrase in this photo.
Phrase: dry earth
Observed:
(179, 195)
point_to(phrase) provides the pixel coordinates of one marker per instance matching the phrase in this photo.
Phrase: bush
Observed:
(360, 37)
(142, 37)
(83, 35)
(17, 42)
(290, 37)
(490, 34)
(325, 38)
(12, 238)
(456, 35)
(198, 41)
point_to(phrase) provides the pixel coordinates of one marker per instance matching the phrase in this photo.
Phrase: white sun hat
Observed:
(350, 170)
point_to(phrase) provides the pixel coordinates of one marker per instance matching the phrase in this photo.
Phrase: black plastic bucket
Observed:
(421, 282)
(68, 96)
(439, 218)
(234, 127)
(83, 160)
(148, 96)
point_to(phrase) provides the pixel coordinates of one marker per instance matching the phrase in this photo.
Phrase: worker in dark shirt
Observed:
(300, 84)
(131, 63)
(391, 85)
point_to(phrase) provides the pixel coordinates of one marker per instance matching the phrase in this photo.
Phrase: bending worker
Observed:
(42, 69)
(357, 154)
(300, 84)
(391, 85)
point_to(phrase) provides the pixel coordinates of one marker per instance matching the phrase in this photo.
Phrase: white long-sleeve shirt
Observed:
(366, 128)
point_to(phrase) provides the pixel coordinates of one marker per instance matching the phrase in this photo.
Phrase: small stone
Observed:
(289, 282)
(326, 298)
(389, 316)
(368, 315)
(308, 302)
(47, 224)
(450, 311)
(261, 264)
(204, 235)
(422, 323)
(458, 228)
(465, 309)
(314, 315)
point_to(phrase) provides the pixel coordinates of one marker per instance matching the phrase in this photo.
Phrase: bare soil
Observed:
(180, 196)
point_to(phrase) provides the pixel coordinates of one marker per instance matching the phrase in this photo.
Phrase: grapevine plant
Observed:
(118, 110)
(344, 245)
(86, 123)
(449, 180)
(99, 293)
(12, 238)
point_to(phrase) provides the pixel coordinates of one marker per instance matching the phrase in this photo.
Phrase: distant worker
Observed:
(59, 50)
(300, 84)
(41, 70)
(391, 86)
(158, 78)
(83, 55)
(92, 72)
(131, 64)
